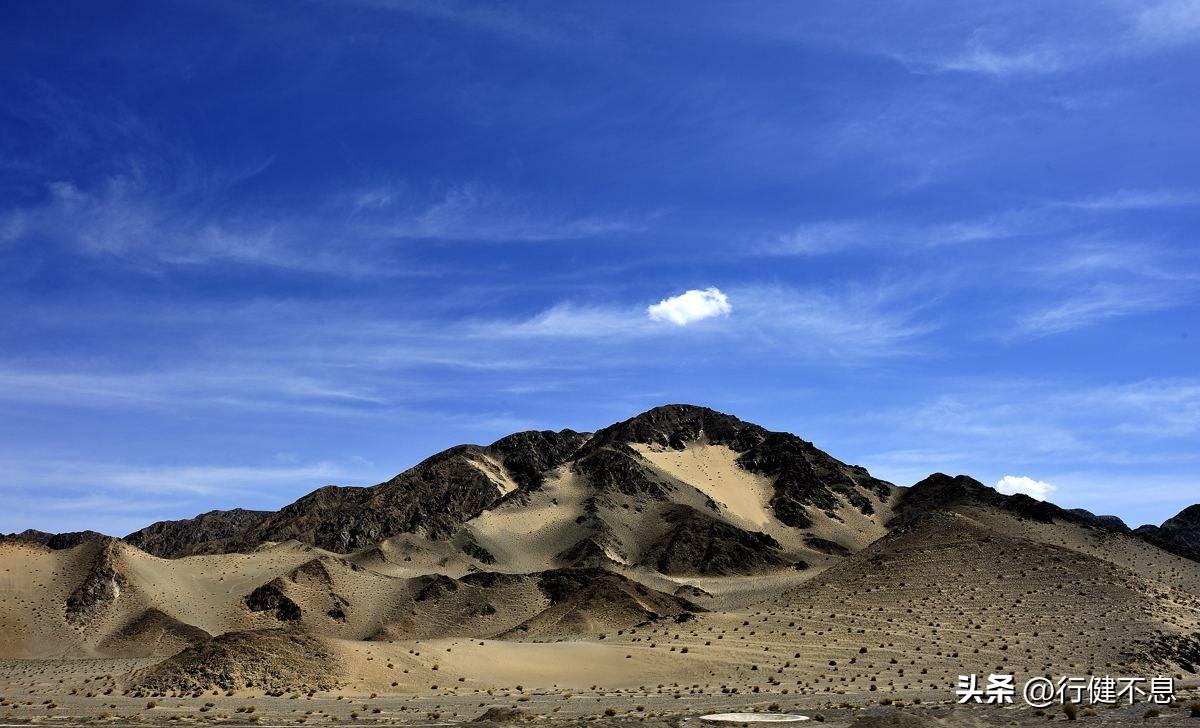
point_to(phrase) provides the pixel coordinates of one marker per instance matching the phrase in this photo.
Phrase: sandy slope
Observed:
(528, 533)
(743, 499)
(202, 591)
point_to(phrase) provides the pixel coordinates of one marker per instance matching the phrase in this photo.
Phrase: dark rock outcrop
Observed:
(56, 541)
(826, 546)
(699, 544)
(502, 715)
(433, 587)
(101, 585)
(1179, 534)
(1179, 649)
(272, 597)
(587, 552)
(434, 497)
(474, 550)
(527, 456)
(171, 539)
(593, 599)
(1108, 523)
(266, 659)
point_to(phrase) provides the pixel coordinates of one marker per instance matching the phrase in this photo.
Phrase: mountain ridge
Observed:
(438, 496)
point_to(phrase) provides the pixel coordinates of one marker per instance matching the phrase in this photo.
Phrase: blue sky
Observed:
(248, 249)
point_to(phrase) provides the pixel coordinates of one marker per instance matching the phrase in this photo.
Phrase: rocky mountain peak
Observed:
(676, 425)
(1179, 534)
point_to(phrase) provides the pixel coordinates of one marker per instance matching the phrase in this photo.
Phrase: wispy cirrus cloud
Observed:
(1085, 34)
(473, 213)
(1124, 200)
(825, 237)
(225, 387)
(1092, 281)
(1096, 303)
(139, 220)
(1038, 218)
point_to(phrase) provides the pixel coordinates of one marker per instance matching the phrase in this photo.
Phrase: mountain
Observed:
(434, 497)
(680, 488)
(1179, 534)
(681, 546)
(184, 537)
(69, 539)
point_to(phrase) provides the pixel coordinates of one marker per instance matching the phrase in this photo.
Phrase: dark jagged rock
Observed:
(1180, 649)
(1108, 523)
(699, 544)
(619, 469)
(529, 455)
(435, 496)
(56, 541)
(433, 586)
(805, 476)
(100, 586)
(587, 552)
(676, 425)
(477, 552)
(561, 585)
(172, 539)
(502, 715)
(1179, 534)
(492, 579)
(271, 597)
(338, 611)
(265, 659)
(826, 546)
(687, 590)
(594, 600)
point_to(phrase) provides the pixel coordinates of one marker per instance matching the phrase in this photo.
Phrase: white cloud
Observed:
(843, 323)
(1013, 484)
(690, 306)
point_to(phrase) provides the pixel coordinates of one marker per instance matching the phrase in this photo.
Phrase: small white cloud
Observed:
(1013, 484)
(693, 305)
